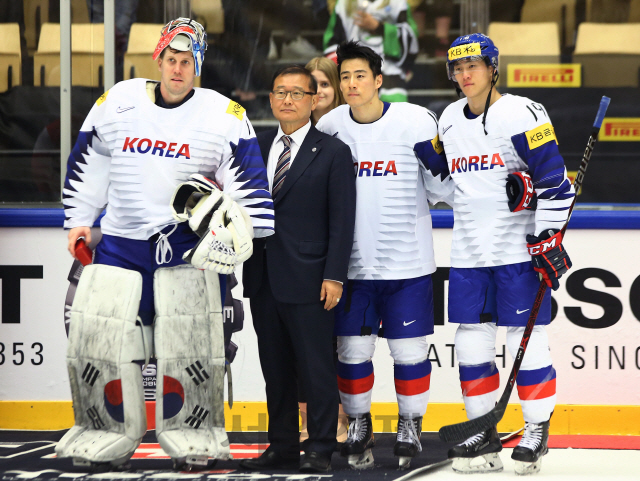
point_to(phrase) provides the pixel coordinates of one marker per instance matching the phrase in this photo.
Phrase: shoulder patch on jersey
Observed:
(540, 135)
(437, 145)
(235, 109)
(102, 98)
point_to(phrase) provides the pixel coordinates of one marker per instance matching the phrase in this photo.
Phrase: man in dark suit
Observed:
(294, 278)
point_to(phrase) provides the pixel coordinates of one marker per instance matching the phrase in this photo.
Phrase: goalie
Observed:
(147, 151)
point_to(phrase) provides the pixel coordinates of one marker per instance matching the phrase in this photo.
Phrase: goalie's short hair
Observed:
(352, 49)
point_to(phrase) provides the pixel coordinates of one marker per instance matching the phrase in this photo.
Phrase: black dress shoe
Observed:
(270, 459)
(315, 463)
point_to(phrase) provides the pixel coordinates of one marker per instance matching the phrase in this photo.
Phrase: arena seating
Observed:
(36, 12)
(563, 12)
(609, 54)
(525, 43)
(87, 55)
(634, 11)
(10, 58)
(210, 14)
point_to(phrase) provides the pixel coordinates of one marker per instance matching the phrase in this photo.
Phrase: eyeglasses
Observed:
(295, 94)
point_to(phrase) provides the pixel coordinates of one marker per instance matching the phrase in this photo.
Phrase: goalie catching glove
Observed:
(520, 192)
(227, 241)
(548, 256)
(195, 201)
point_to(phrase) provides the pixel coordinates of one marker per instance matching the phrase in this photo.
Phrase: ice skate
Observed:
(357, 447)
(478, 454)
(193, 463)
(408, 440)
(533, 445)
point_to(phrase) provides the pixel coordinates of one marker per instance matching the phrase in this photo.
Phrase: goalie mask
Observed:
(184, 34)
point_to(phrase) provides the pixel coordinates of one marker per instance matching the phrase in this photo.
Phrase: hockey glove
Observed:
(214, 251)
(195, 201)
(239, 224)
(520, 192)
(548, 256)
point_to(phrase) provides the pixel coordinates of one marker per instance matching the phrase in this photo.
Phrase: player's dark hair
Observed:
(352, 49)
(173, 51)
(296, 70)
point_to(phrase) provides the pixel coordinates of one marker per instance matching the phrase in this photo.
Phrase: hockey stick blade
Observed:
(458, 432)
(461, 431)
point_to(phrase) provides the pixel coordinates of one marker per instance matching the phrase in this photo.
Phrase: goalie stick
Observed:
(459, 432)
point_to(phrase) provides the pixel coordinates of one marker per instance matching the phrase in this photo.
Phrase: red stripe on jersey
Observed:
(355, 386)
(537, 391)
(413, 386)
(478, 387)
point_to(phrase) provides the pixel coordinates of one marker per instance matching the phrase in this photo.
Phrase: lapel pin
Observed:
(314, 149)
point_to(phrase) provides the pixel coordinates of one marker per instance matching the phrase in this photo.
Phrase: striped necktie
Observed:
(284, 161)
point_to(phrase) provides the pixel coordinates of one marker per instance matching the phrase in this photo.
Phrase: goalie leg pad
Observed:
(189, 343)
(106, 386)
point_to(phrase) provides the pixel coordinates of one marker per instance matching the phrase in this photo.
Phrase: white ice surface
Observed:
(558, 464)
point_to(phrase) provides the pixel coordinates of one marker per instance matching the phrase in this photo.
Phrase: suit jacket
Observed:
(315, 213)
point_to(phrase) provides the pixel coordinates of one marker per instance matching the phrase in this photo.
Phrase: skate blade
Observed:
(361, 461)
(404, 462)
(192, 463)
(524, 469)
(487, 463)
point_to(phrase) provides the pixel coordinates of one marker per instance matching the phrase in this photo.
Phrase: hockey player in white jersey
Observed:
(389, 292)
(511, 199)
(155, 154)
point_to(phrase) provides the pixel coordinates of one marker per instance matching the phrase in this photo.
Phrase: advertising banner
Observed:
(595, 334)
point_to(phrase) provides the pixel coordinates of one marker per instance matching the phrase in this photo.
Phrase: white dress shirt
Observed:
(278, 146)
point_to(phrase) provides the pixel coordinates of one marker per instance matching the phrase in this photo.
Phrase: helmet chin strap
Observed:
(494, 79)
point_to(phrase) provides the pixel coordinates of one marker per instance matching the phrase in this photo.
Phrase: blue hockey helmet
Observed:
(475, 46)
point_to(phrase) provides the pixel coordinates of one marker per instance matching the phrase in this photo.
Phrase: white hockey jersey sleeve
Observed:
(538, 148)
(433, 162)
(84, 195)
(243, 176)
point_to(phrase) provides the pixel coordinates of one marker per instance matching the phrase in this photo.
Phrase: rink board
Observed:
(595, 336)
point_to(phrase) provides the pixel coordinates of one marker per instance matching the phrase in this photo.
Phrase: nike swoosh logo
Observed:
(445, 130)
(520, 312)
(119, 110)
(407, 323)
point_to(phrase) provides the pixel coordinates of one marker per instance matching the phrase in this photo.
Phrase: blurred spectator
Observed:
(387, 27)
(294, 17)
(330, 96)
(441, 12)
(125, 16)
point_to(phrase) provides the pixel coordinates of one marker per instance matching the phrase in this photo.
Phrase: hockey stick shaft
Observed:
(461, 431)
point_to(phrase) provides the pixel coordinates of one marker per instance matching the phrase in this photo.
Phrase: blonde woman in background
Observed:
(325, 72)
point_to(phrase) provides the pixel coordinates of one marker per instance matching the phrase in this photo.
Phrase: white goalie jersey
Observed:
(520, 137)
(131, 154)
(393, 238)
